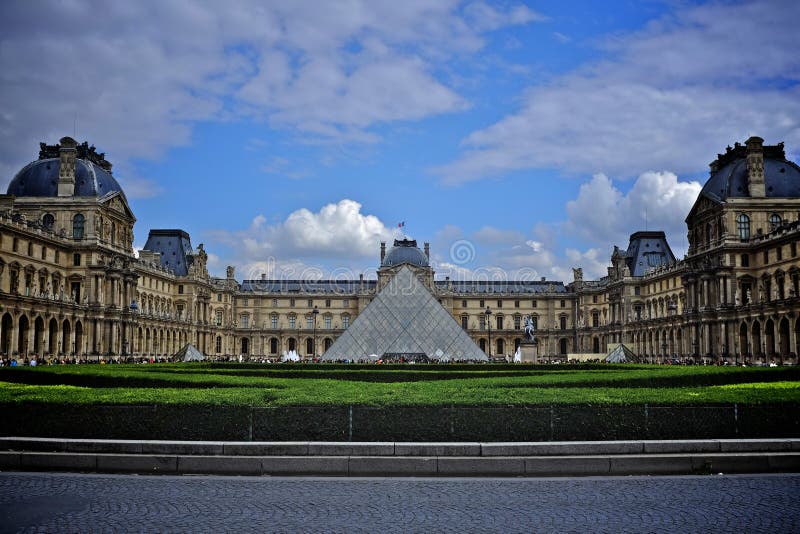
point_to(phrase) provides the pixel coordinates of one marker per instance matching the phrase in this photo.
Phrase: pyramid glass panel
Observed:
(404, 320)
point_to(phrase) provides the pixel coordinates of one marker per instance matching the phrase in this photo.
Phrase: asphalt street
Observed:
(60, 502)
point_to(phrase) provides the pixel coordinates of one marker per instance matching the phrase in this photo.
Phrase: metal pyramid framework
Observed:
(404, 319)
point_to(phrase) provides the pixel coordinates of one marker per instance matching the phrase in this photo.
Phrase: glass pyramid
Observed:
(404, 320)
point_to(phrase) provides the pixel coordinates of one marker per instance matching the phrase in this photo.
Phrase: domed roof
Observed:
(405, 251)
(40, 178)
(729, 174)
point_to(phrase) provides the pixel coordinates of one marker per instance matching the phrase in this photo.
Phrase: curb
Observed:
(402, 459)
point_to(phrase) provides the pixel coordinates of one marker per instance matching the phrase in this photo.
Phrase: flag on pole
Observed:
(401, 224)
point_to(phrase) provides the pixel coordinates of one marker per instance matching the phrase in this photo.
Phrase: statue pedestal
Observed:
(529, 352)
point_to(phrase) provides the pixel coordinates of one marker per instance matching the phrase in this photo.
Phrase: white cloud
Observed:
(337, 232)
(135, 76)
(603, 215)
(670, 96)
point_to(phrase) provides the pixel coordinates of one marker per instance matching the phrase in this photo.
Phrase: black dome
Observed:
(405, 251)
(781, 176)
(40, 179)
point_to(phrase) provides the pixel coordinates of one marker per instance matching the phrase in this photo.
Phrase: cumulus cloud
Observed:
(658, 200)
(670, 95)
(339, 233)
(136, 76)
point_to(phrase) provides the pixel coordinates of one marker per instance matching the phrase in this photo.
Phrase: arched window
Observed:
(774, 221)
(48, 221)
(743, 227)
(77, 226)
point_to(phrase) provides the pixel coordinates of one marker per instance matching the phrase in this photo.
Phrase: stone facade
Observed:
(70, 285)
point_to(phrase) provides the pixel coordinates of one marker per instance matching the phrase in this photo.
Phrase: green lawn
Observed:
(282, 385)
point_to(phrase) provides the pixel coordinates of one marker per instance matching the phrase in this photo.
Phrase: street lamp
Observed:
(488, 313)
(315, 312)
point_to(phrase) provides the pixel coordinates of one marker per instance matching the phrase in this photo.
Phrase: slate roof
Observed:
(307, 286)
(175, 248)
(405, 251)
(492, 287)
(40, 179)
(647, 250)
(781, 176)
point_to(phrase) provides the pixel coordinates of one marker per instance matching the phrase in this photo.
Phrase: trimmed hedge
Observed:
(403, 423)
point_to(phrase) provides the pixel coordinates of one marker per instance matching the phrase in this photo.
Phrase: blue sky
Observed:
(520, 138)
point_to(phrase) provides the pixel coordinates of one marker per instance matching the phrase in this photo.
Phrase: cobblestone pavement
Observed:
(47, 502)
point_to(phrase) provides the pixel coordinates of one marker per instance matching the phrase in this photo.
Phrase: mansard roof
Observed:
(175, 248)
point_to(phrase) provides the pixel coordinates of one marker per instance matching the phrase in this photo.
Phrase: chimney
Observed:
(755, 166)
(428, 250)
(383, 250)
(66, 167)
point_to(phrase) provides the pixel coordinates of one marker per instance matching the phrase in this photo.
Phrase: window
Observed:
(517, 322)
(219, 318)
(516, 304)
(219, 297)
(113, 233)
(779, 254)
(345, 321)
(273, 319)
(30, 248)
(766, 257)
(245, 301)
(533, 303)
(245, 321)
(499, 303)
(180, 289)
(596, 318)
(327, 320)
(482, 304)
(743, 227)
(463, 303)
(594, 299)
(774, 222)
(48, 221)
(327, 303)
(745, 260)
(535, 321)
(636, 291)
(346, 303)
(464, 321)
(292, 320)
(15, 244)
(77, 226)
(793, 249)
(218, 344)
(309, 322)
(482, 321)
(562, 322)
(310, 303)
(274, 303)
(563, 303)
(499, 322)
(76, 259)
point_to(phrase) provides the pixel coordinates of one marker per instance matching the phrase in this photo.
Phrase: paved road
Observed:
(47, 502)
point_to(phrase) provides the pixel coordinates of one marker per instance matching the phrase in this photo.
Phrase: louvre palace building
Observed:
(71, 286)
